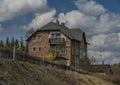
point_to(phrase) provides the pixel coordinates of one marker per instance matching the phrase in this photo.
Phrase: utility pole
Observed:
(14, 49)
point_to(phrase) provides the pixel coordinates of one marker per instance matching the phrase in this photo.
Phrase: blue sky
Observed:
(100, 19)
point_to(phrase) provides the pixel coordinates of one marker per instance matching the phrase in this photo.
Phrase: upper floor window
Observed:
(56, 35)
(34, 38)
(34, 49)
(39, 38)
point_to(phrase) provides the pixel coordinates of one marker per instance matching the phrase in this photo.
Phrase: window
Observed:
(64, 50)
(34, 38)
(53, 36)
(56, 35)
(34, 49)
(53, 49)
(39, 38)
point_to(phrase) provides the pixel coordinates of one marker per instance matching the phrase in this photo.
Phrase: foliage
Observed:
(10, 44)
(17, 44)
(85, 63)
(92, 59)
(7, 44)
(115, 77)
(22, 47)
(1, 44)
(50, 57)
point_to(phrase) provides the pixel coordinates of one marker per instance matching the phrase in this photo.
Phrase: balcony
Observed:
(56, 40)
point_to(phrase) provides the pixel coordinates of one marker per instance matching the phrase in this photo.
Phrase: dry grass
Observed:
(21, 73)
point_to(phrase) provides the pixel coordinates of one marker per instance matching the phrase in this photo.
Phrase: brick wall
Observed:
(41, 42)
(45, 45)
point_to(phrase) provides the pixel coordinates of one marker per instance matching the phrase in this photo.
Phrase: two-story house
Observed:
(59, 40)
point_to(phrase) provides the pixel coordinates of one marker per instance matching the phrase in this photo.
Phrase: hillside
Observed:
(23, 73)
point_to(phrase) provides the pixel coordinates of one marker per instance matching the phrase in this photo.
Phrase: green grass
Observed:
(23, 73)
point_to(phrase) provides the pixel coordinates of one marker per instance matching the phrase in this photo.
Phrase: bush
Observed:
(50, 57)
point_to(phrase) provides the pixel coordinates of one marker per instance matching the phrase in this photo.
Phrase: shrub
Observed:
(50, 57)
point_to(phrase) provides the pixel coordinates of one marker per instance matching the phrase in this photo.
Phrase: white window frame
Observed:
(33, 49)
(55, 35)
(34, 38)
(39, 38)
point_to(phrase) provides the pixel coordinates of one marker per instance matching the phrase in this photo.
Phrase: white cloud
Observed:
(98, 54)
(91, 23)
(11, 8)
(76, 19)
(107, 23)
(42, 19)
(90, 7)
(116, 60)
(101, 26)
(98, 40)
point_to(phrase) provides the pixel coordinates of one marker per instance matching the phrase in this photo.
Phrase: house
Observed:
(59, 40)
(101, 68)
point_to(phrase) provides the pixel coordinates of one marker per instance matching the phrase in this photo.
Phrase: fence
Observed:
(20, 56)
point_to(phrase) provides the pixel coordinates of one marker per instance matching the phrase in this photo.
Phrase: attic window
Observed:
(39, 38)
(56, 35)
(34, 38)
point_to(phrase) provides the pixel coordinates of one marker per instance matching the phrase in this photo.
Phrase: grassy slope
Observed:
(19, 73)
(115, 78)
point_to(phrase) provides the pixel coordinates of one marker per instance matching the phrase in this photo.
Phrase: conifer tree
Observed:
(16, 44)
(1, 44)
(12, 43)
(22, 47)
(7, 44)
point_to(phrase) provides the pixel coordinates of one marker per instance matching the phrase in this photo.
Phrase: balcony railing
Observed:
(56, 40)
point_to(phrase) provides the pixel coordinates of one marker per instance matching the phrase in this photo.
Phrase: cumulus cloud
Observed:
(105, 42)
(77, 19)
(42, 19)
(101, 26)
(11, 8)
(108, 23)
(90, 7)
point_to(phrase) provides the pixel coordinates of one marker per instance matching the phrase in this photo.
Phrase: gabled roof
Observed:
(75, 34)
